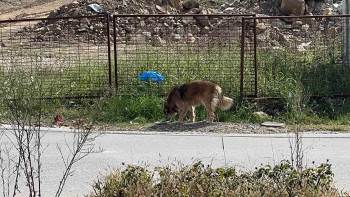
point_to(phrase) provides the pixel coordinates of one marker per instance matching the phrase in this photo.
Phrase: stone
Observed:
(229, 10)
(327, 11)
(297, 24)
(305, 27)
(203, 21)
(190, 4)
(273, 124)
(293, 7)
(172, 3)
(158, 41)
(302, 47)
(261, 27)
(161, 9)
(147, 34)
(187, 20)
(176, 37)
(190, 38)
(261, 114)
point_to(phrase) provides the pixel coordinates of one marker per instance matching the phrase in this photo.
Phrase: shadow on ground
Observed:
(216, 127)
(176, 126)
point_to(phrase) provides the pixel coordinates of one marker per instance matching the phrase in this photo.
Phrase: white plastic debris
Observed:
(95, 7)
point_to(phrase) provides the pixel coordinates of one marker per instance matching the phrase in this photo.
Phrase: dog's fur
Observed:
(186, 97)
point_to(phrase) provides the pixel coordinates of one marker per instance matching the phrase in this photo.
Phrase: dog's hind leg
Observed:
(193, 114)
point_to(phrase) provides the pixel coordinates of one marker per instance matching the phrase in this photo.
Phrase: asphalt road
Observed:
(155, 149)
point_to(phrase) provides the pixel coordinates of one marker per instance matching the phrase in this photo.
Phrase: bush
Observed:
(200, 180)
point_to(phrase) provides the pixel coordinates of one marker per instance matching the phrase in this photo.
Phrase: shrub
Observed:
(200, 180)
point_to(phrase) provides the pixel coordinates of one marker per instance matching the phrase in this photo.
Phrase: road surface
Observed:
(156, 149)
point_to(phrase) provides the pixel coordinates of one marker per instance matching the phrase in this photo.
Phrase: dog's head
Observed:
(170, 108)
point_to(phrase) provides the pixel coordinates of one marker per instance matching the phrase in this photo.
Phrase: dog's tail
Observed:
(225, 103)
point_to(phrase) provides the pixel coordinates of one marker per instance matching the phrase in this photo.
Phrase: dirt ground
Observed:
(12, 9)
(213, 128)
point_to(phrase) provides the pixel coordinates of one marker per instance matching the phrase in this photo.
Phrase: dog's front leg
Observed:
(193, 114)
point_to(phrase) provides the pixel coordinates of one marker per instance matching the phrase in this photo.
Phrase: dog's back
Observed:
(199, 92)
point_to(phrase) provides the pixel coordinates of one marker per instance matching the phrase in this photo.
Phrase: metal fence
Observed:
(180, 47)
(295, 54)
(247, 55)
(70, 56)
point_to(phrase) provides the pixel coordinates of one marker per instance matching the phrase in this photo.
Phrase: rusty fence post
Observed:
(242, 59)
(255, 61)
(115, 55)
(109, 52)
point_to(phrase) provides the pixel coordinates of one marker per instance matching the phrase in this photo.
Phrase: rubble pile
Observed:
(192, 29)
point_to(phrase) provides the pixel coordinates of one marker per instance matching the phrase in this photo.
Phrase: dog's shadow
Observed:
(177, 127)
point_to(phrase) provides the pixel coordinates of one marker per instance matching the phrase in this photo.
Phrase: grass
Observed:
(200, 180)
(290, 76)
(127, 111)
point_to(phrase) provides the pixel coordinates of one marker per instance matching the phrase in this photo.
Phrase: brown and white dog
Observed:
(186, 97)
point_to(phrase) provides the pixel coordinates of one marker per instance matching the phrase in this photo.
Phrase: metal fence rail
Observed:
(180, 47)
(70, 56)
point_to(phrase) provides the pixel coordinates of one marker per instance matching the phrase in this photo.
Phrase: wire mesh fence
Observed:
(246, 55)
(179, 47)
(305, 53)
(69, 56)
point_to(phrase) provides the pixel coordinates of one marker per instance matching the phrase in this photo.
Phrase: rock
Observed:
(309, 21)
(80, 30)
(302, 46)
(158, 41)
(261, 115)
(273, 124)
(203, 21)
(161, 9)
(190, 4)
(297, 24)
(293, 7)
(187, 20)
(172, 3)
(75, 3)
(147, 34)
(327, 11)
(229, 10)
(194, 11)
(95, 8)
(305, 27)
(261, 27)
(190, 38)
(176, 37)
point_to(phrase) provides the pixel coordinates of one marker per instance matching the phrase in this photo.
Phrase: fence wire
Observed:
(69, 56)
(179, 47)
(298, 54)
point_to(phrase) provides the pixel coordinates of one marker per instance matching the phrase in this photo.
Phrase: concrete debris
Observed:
(159, 31)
